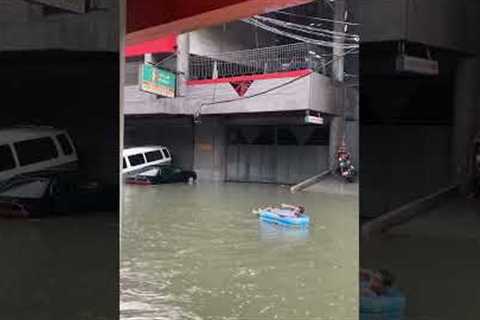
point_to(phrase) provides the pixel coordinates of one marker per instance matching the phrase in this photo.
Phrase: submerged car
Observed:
(48, 192)
(162, 174)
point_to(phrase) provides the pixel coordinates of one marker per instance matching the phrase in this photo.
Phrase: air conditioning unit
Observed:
(411, 64)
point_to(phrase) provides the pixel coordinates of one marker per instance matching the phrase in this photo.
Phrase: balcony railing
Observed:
(284, 58)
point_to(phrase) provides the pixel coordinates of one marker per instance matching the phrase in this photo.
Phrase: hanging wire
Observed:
(318, 18)
(310, 29)
(323, 43)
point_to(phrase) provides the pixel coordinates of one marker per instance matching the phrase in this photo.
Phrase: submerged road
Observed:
(59, 267)
(436, 259)
(197, 252)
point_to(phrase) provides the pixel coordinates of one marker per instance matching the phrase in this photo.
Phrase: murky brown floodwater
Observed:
(59, 267)
(197, 252)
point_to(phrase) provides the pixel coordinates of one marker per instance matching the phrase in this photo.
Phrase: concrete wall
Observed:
(174, 133)
(275, 164)
(210, 144)
(466, 119)
(228, 37)
(217, 160)
(402, 163)
(406, 139)
(439, 23)
(23, 26)
(315, 92)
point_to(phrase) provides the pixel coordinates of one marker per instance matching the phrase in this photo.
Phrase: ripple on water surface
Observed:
(197, 252)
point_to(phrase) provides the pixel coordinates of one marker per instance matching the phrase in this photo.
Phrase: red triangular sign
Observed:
(241, 87)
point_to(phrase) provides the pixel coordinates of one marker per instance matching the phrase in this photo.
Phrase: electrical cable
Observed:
(318, 18)
(313, 30)
(322, 43)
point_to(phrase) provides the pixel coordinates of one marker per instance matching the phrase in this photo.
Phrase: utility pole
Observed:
(337, 125)
(183, 54)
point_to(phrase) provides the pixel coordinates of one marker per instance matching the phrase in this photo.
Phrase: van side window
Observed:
(35, 150)
(65, 144)
(124, 163)
(167, 154)
(7, 161)
(136, 159)
(154, 156)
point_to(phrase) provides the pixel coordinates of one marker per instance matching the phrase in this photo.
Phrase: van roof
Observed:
(142, 149)
(12, 134)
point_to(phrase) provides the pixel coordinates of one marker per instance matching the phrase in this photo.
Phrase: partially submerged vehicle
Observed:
(138, 159)
(162, 174)
(25, 149)
(48, 192)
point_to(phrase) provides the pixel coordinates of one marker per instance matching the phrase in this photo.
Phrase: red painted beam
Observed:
(150, 19)
(253, 77)
(161, 45)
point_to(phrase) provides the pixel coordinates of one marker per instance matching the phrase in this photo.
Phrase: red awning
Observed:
(161, 45)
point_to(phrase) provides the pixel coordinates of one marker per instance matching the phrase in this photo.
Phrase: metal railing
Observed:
(283, 58)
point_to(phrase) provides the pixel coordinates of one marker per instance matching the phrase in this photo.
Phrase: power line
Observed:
(318, 18)
(312, 30)
(323, 43)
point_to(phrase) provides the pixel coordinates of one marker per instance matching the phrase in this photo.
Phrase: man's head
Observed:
(381, 281)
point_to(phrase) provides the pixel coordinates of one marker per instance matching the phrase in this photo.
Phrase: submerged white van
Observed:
(139, 158)
(30, 149)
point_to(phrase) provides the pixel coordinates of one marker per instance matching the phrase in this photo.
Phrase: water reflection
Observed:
(197, 252)
(54, 268)
(278, 233)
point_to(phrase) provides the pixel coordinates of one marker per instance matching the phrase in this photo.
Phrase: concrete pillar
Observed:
(338, 64)
(337, 126)
(183, 52)
(466, 120)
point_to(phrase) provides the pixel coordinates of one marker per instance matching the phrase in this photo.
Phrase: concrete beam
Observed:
(150, 19)
(405, 213)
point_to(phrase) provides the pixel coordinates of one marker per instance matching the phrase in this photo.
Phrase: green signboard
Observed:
(157, 81)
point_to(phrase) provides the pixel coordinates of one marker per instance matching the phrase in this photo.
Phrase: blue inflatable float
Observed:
(390, 306)
(285, 220)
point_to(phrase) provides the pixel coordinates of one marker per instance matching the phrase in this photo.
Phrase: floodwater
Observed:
(59, 267)
(197, 252)
(435, 260)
